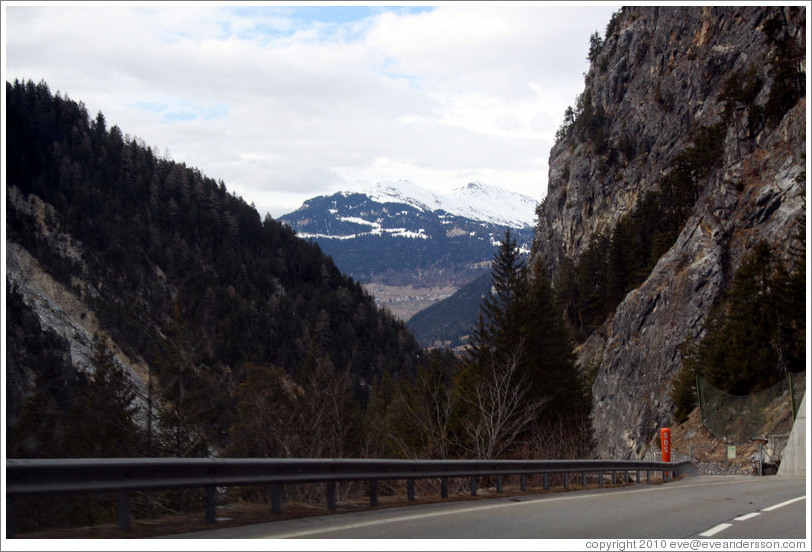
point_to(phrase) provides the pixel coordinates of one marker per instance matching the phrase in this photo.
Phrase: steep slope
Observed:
(449, 322)
(104, 236)
(667, 85)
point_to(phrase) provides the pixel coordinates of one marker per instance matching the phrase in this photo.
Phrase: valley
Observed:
(407, 300)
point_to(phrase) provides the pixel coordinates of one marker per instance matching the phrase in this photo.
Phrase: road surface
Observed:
(692, 508)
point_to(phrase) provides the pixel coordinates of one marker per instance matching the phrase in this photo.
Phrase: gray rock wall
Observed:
(657, 79)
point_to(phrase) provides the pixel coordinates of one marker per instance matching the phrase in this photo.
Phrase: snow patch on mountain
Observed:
(375, 230)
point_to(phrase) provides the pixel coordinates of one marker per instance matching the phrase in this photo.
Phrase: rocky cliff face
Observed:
(50, 330)
(659, 75)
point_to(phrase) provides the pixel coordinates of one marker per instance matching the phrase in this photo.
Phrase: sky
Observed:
(287, 101)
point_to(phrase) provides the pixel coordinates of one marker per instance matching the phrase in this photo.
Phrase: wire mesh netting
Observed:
(742, 418)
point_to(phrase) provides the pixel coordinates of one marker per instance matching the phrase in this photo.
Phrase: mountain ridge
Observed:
(475, 200)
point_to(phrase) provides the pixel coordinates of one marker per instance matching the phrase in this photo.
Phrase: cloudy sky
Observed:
(285, 101)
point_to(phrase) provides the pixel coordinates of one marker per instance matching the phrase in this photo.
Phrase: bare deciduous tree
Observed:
(501, 410)
(559, 437)
(427, 411)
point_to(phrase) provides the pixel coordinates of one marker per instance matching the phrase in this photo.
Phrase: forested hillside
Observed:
(180, 273)
(448, 323)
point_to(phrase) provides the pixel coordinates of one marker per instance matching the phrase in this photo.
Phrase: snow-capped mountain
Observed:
(398, 235)
(476, 201)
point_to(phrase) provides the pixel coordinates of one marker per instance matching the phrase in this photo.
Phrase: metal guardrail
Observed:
(124, 475)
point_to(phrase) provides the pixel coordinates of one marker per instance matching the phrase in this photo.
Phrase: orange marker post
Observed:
(665, 441)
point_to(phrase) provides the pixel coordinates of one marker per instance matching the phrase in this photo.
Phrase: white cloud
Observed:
(283, 103)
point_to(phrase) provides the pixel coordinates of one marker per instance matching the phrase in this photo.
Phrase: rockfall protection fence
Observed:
(743, 418)
(124, 475)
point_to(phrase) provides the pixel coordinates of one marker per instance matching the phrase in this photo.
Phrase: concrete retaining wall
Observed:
(793, 459)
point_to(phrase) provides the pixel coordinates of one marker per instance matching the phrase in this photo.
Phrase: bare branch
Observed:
(502, 412)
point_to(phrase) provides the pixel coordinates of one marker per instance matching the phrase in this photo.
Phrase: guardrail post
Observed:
(473, 485)
(410, 489)
(600, 478)
(373, 492)
(523, 482)
(648, 477)
(583, 479)
(444, 487)
(566, 481)
(123, 511)
(637, 477)
(276, 498)
(544, 482)
(498, 483)
(331, 495)
(211, 504)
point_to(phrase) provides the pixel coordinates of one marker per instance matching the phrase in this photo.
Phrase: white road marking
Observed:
(371, 523)
(713, 530)
(319, 530)
(384, 521)
(722, 526)
(777, 506)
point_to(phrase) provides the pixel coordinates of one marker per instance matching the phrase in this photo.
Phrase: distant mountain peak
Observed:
(473, 186)
(403, 191)
(475, 200)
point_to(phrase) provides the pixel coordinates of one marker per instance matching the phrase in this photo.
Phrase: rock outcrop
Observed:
(661, 74)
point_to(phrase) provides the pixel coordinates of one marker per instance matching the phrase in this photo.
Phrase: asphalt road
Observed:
(693, 508)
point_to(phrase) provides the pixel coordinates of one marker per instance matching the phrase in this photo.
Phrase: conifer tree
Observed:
(548, 361)
(180, 419)
(496, 332)
(750, 360)
(754, 338)
(37, 433)
(500, 315)
(495, 346)
(479, 347)
(521, 335)
(792, 296)
(101, 422)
